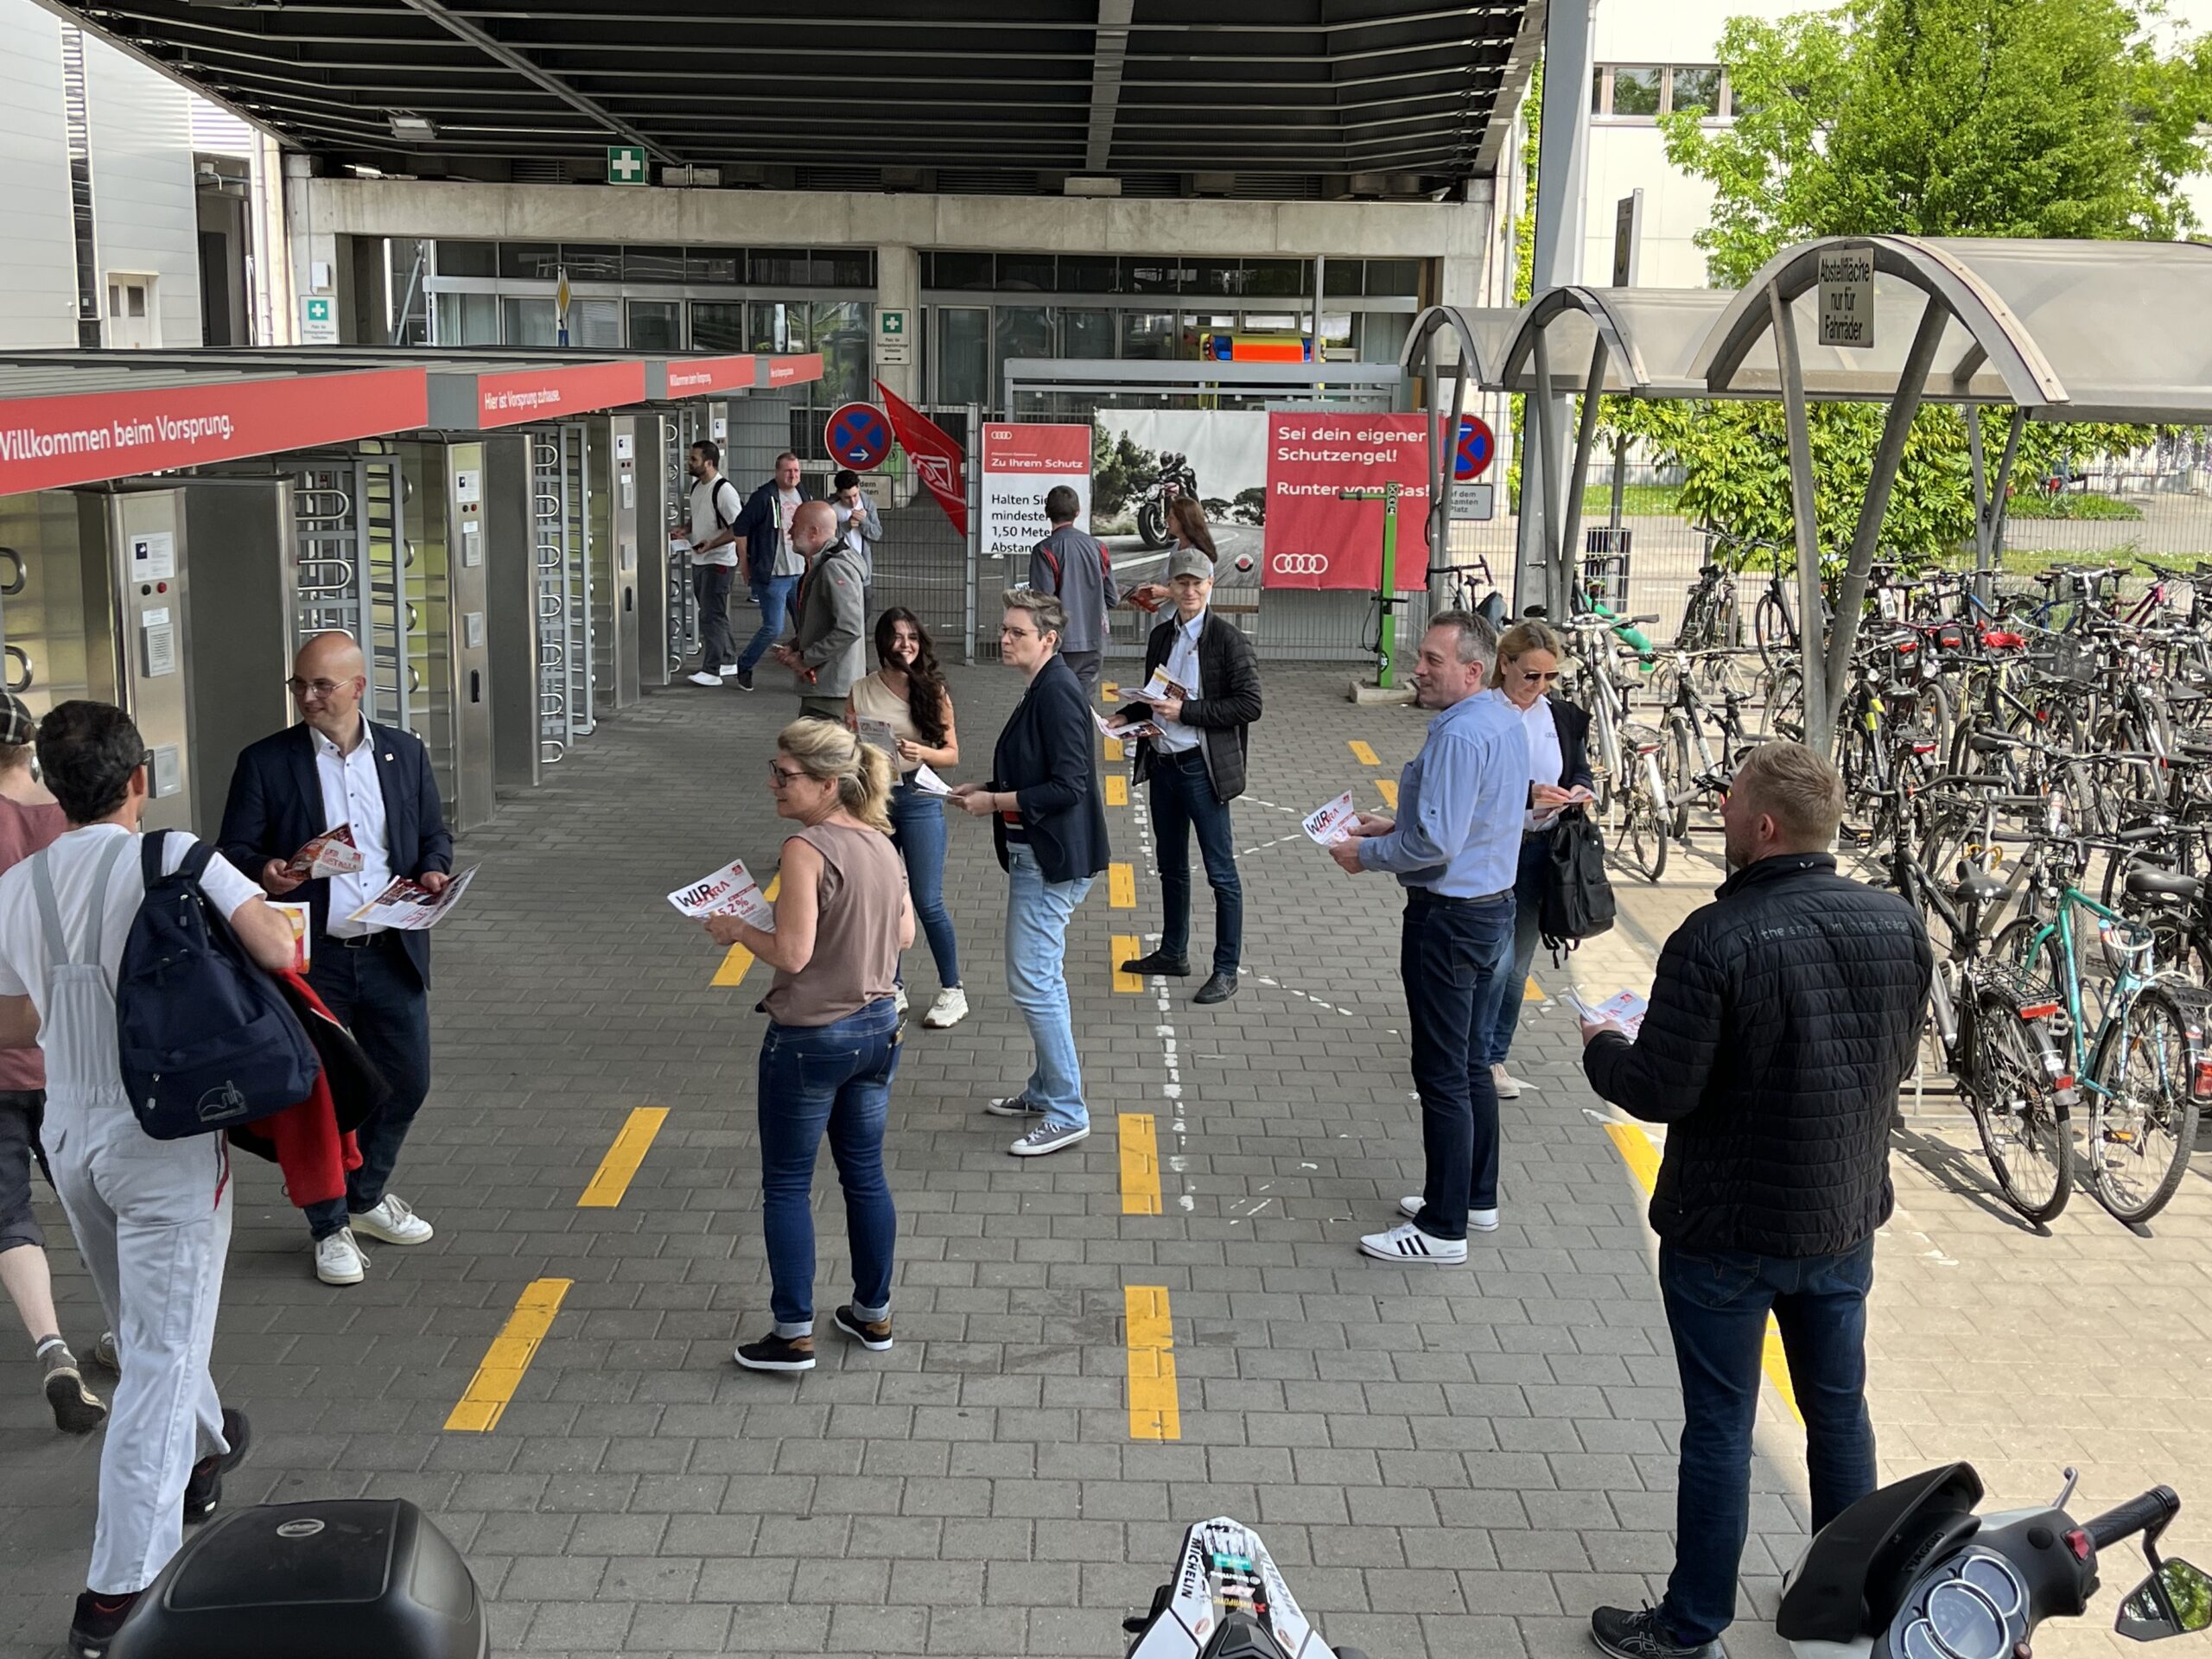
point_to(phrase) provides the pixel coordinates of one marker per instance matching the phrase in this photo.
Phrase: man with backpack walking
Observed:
(152, 1218)
(774, 562)
(336, 770)
(1073, 564)
(712, 531)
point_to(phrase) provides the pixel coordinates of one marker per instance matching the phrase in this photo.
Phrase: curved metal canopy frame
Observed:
(1472, 328)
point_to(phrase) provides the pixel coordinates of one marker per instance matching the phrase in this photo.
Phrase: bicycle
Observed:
(1624, 764)
(1689, 765)
(2143, 1068)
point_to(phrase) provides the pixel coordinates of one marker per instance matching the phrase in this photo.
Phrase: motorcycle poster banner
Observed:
(1020, 464)
(1327, 472)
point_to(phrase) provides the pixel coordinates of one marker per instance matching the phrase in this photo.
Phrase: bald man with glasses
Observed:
(338, 767)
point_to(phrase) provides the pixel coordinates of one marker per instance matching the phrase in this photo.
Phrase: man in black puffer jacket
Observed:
(1783, 1017)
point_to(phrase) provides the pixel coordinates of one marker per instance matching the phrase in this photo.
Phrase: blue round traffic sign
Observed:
(858, 436)
(1477, 445)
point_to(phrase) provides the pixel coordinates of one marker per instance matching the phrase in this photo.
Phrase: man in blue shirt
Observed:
(1455, 849)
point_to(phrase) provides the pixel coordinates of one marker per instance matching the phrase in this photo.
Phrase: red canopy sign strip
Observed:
(86, 437)
(526, 395)
(697, 377)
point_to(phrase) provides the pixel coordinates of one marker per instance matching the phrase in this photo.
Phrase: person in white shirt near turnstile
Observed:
(152, 1218)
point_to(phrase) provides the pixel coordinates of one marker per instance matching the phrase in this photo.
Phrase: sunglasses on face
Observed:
(1530, 676)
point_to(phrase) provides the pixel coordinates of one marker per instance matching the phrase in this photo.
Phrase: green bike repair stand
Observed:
(1386, 590)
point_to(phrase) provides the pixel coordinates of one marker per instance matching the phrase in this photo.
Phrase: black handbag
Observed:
(1575, 899)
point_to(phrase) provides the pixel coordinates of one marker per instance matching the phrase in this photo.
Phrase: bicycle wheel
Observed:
(1771, 633)
(1642, 831)
(2045, 966)
(2142, 1114)
(1784, 714)
(2022, 1124)
(1678, 771)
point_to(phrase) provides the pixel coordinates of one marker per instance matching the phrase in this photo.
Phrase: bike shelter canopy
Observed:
(1480, 331)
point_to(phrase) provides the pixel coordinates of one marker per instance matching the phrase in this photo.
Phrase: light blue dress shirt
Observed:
(1460, 804)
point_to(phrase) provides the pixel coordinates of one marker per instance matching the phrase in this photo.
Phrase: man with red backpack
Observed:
(1071, 563)
(152, 1218)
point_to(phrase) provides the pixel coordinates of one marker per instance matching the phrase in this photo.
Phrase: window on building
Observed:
(839, 330)
(1337, 335)
(528, 322)
(1027, 273)
(467, 319)
(964, 355)
(532, 262)
(1086, 334)
(467, 258)
(1277, 278)
(1637, 89)
(778, 267)
(591, 262)
(1695, 87)
(718, 326)
(653, 265)
(777, 327)
(1019, 331)
(1082, 273)
(957, 270)
(1342, 276)
(1149, 334)
(596, 324)
(1156, 276)
(844, 268)
(725, 266)
(655, 326)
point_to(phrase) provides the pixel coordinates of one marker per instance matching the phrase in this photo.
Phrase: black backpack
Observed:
(1576, 898)
(207, 1041)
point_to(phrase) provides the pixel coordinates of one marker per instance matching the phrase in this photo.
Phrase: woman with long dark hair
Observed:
(908, 692)
(1186, 527)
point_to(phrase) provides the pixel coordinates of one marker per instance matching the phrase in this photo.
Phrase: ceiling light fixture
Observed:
(415, 128)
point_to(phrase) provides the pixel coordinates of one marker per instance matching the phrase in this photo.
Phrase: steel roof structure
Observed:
(1267, 98)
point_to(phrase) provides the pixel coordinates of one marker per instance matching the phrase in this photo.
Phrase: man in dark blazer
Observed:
(1196, 767)
(336, 768)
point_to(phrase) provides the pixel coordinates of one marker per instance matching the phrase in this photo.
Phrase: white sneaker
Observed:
(950, 1009)
(1408, 1243)
(898, 999)
(1509, 1086)
(705, 678)
(731, 670)
(1480, 1221)
(393, 1223)
(338, 1260)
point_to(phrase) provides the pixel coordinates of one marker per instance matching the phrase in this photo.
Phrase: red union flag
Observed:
(1316, 537)
(937, 459)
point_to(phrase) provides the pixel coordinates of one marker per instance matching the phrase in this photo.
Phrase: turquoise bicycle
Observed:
(2132, 1035)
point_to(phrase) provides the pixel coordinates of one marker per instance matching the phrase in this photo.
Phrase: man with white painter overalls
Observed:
(152, 1218)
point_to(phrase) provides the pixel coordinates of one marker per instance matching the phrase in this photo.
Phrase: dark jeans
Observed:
(1452, 958)
(1183, 800)
(835, 1078)
(918, 831)
(773, 596)
(1528, 895)
(710, 586)
(375, 994)
(1717, 1306)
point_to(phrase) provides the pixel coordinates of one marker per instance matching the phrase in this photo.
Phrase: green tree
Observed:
(1926, 117)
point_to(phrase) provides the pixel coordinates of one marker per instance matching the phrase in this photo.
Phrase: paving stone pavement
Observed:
(1446, 1462)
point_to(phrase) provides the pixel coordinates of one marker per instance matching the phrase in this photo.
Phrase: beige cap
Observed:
(1189, 562)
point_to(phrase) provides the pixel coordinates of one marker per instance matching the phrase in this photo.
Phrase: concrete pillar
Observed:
(314, 252)
(898, 285)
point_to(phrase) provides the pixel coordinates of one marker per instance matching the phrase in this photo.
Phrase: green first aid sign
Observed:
(626, 164)
(891, 325)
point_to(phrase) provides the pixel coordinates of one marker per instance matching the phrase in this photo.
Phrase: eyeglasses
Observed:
(322, 689)
(1015, 634)
(780, 778)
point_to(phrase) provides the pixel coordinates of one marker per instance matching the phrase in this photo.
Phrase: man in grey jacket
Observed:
(826, 647)
(1071, 563)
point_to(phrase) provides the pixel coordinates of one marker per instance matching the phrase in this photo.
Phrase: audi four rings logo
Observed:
(1299, 564)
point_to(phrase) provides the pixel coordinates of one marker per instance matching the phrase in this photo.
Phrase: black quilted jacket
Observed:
(1783, 1017)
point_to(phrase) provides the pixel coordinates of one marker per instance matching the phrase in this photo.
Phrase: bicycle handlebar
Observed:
(2153, 1509)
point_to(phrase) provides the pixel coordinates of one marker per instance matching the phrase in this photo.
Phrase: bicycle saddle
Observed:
(1977, 887)
(2157, 884)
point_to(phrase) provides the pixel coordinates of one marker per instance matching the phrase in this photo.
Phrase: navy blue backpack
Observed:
(207, 1041)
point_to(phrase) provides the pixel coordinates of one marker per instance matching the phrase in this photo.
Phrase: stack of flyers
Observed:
(1331, 824)
(334, 852)
(1160, 687)
(1625, 1008)
(729, 891)
(1128, 731)
(410, 905)
(881, 733)
(927, 782)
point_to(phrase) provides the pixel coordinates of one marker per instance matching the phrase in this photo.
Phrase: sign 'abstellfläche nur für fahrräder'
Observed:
(1845, 296)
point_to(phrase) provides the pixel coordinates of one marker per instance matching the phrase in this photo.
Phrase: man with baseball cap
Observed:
(1195, 766)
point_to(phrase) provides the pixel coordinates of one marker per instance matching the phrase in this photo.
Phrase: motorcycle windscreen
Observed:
(1223, 1571)
(1858, 1567)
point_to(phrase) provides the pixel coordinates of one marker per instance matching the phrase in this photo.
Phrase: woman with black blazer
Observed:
(1049, 825)
(1558, 764)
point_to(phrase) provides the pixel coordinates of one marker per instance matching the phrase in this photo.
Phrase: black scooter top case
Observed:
(337, 1579)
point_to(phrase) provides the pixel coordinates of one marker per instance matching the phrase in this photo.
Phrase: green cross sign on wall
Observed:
(626, 164)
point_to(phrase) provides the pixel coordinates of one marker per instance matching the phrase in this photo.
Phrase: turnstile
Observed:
(91, 605)
(668, 623)
(617, 532)
(562, 485)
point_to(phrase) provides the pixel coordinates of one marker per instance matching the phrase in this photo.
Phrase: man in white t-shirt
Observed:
(772, 564)
(152, 1218)
(712, 532)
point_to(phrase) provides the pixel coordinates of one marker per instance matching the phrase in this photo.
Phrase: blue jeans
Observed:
(836, 1077)
(1452, 958)
(1717, 1306)
(1183, 800)
(773, 596)
(918, 831)
(1037, 913)
(375, 993)
(1527, 899)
